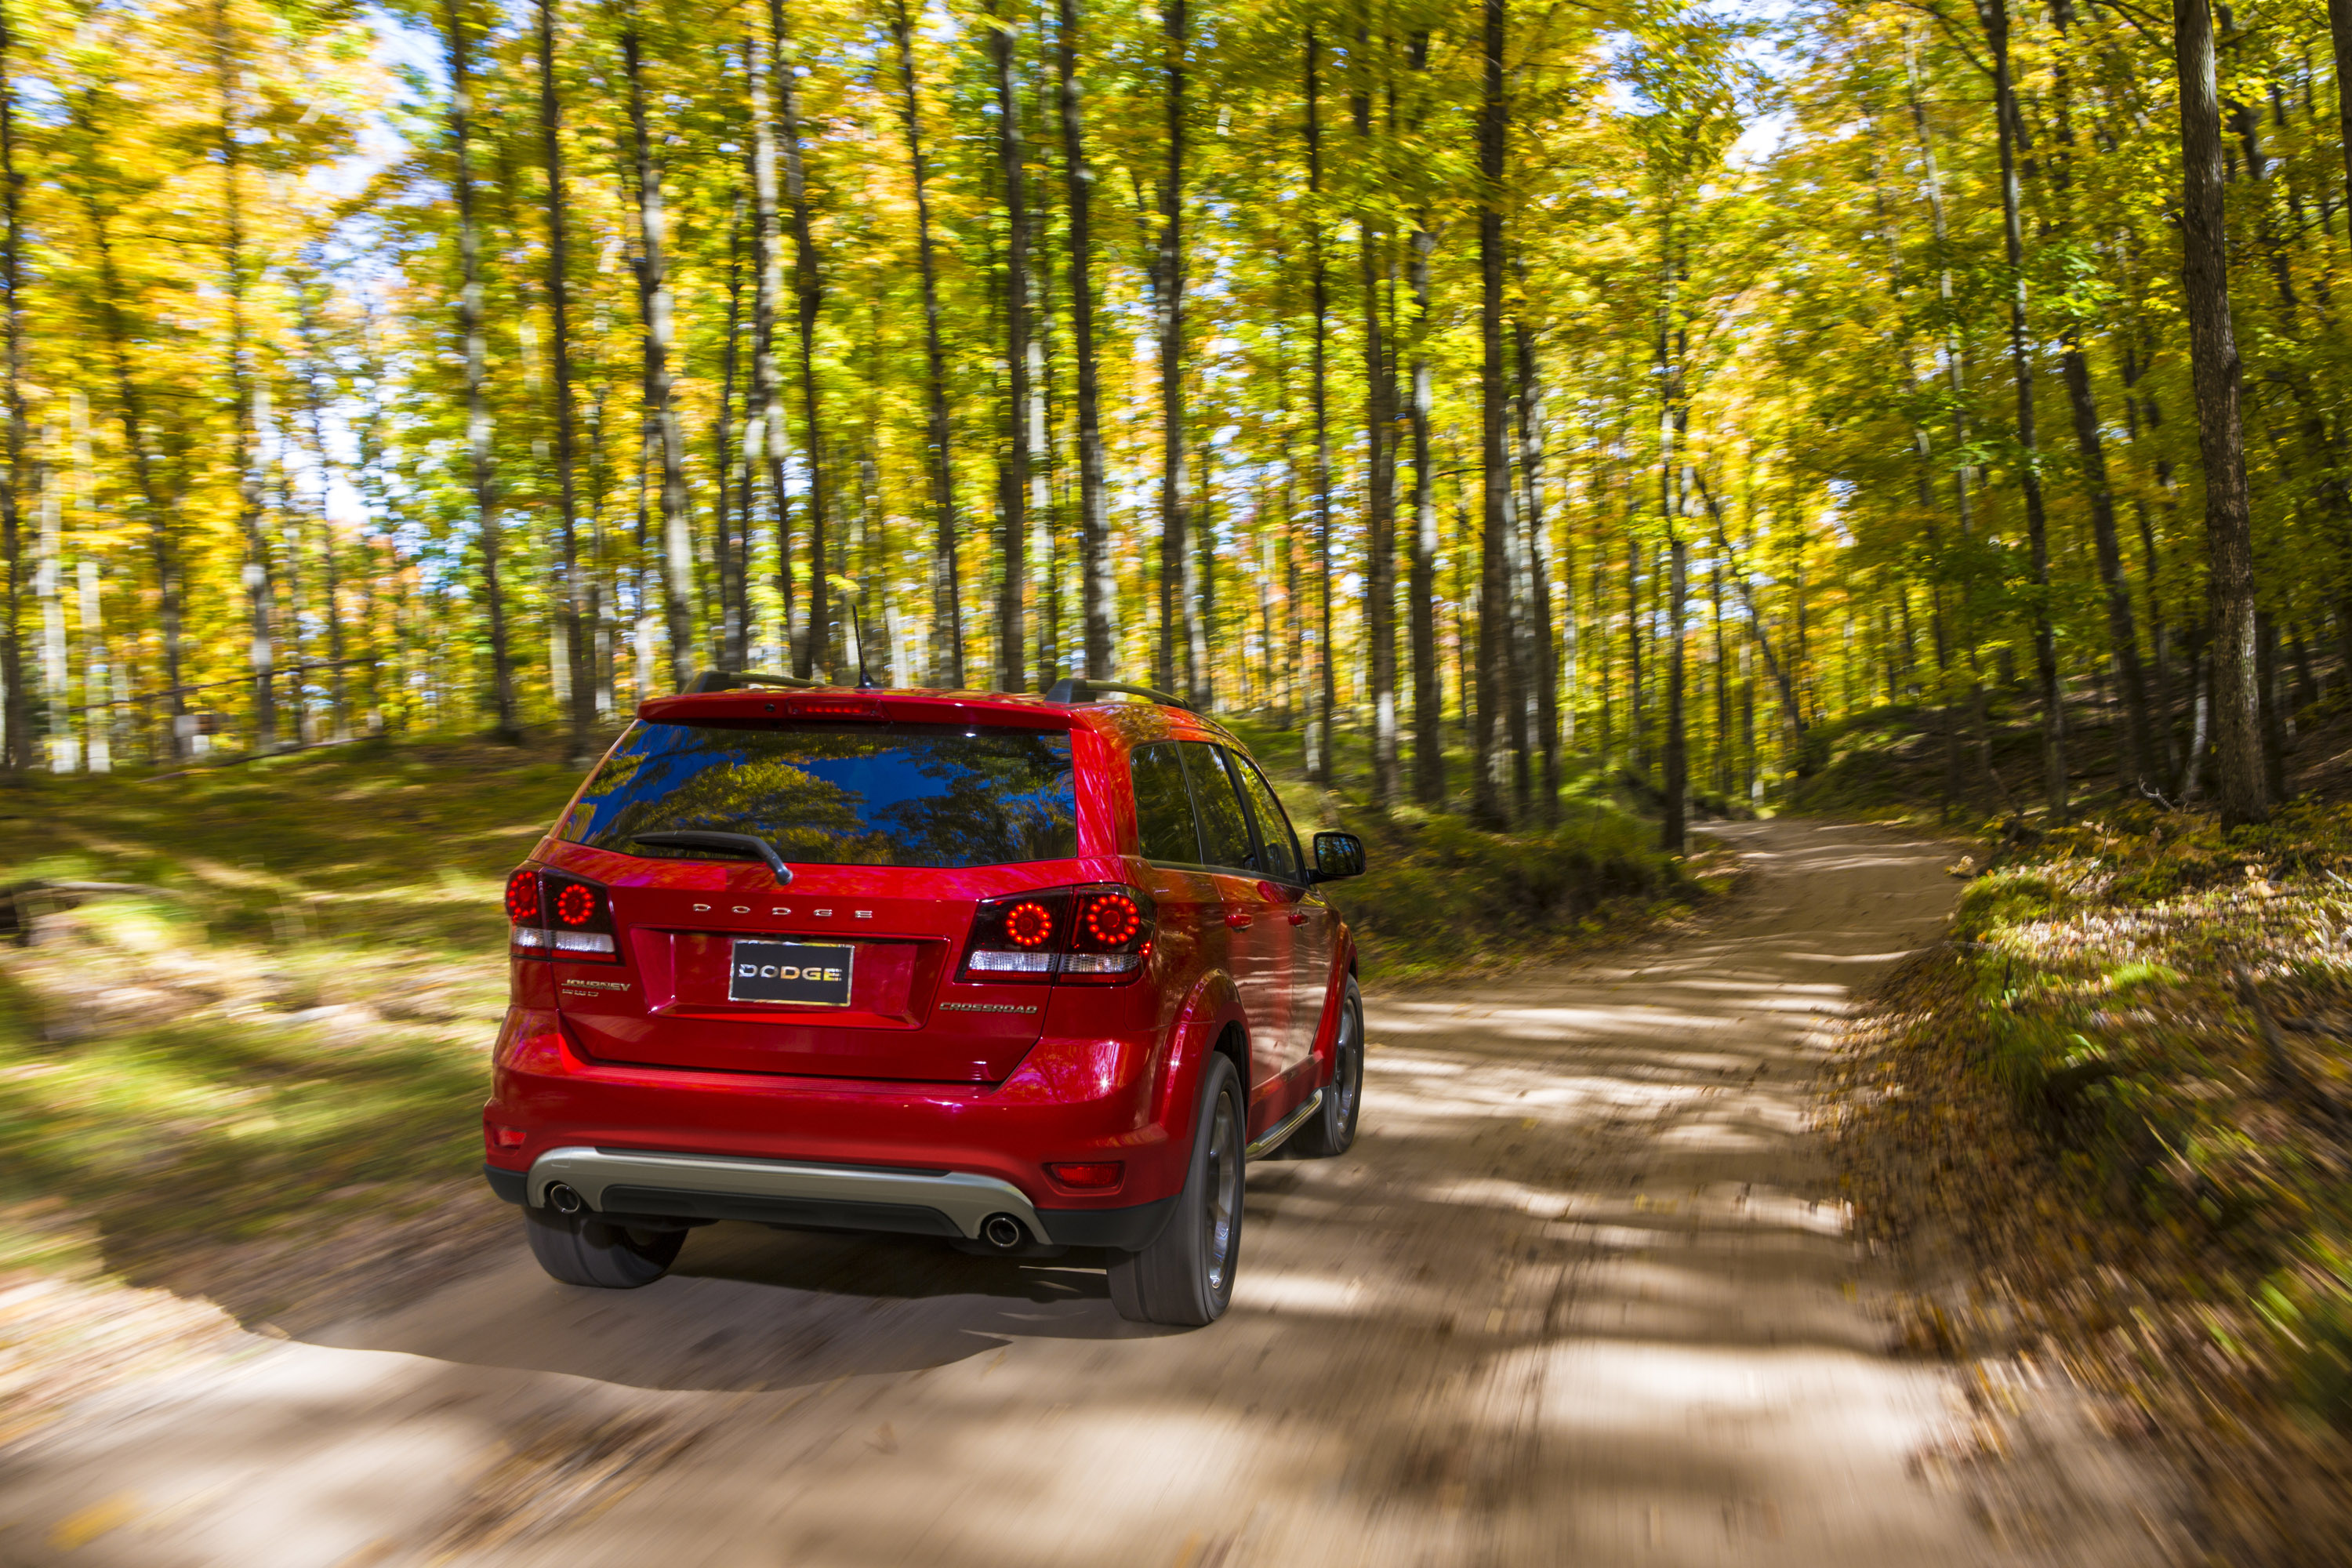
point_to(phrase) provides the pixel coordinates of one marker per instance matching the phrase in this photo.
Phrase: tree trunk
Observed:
(570, 590)
(1044, 522)
(1379, 457)
(947, 599)
(1543, 646)
(763, 414)
(259, 589)
(658, 310)
(1494, 609)
(2339, 32)
(1319, 724)
(15, 710)
(2218, 374)
(1097, 589)
(1994, 14)
(1012, 474)
(816, 654)
(1178, 605)
(722, 629)
(138, 439)
(314, 410)
(1672, 831)
(1428, 682)
(1721, 771)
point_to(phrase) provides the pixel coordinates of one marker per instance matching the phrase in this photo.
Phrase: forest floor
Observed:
(1585, 1289)
(2106, 1130)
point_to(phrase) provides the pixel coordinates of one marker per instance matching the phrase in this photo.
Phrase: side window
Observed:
(1163, 811)
(1225, 831)
(1281, 845)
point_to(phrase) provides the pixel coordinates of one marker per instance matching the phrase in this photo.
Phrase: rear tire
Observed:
(1332, 1128)
(581, 1249)
(1186, 1277)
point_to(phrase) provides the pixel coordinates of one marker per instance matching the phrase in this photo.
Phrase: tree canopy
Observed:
(1649, 385)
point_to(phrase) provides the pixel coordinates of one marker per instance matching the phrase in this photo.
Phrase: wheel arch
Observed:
(1210, 1023)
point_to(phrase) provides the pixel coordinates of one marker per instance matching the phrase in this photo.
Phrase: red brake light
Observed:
(1028, 923)
(560, 917)
(1093, 936)
(835, 707)
(1109, 920)
(1101, 1175)
(522, 897)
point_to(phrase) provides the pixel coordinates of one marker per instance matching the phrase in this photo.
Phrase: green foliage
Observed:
(2002, 899)
(1440, 898)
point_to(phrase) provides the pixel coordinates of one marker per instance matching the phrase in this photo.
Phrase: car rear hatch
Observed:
(891, 832)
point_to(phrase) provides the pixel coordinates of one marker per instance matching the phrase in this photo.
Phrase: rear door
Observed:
(1307, 917)
(1257, 932)
(891, 833)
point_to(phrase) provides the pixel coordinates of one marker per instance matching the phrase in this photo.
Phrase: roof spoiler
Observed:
(735, 680)
(1069, 690)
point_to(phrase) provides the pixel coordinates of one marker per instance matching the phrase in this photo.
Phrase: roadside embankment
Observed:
(2108, 1125)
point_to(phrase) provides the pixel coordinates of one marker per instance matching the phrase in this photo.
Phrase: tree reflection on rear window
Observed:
(861, 795)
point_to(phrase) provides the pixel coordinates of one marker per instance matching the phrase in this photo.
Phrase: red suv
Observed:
(1024, 973)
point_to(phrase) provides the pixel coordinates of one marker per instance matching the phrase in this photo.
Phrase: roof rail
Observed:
(735, 680)
(1069, 690)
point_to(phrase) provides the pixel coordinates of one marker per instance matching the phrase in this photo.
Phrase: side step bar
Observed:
(1276, 1136)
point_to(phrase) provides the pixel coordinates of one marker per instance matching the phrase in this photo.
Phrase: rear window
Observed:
(854, 794)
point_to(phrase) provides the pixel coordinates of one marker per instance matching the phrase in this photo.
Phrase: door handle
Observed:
(1238, 918)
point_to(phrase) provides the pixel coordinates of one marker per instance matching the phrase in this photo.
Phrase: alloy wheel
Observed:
(1220, 1214)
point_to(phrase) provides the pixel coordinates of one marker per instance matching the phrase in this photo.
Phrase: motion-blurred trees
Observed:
(1651, 385)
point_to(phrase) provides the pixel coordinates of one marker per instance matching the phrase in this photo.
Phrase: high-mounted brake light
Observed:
(555, 916)
(835, 707)
(1090, 936)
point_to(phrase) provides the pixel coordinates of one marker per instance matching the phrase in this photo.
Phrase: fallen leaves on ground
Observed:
(2105, 1128)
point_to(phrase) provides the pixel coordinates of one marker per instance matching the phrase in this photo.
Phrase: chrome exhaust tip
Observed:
(562, 1199)
(1000, 1231)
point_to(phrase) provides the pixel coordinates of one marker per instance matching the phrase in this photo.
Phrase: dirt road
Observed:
(1581, 1293)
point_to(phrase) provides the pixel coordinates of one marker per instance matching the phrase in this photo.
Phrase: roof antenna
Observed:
(856, 595)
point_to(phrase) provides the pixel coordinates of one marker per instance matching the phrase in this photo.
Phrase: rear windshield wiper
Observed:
(740, 843)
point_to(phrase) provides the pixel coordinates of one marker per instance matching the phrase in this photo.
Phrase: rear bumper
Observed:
(853, 1154)
(628, 1182)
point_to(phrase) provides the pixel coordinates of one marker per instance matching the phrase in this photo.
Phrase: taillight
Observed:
(563, 916)
(1089, 936)
(1019, 938)
(522, 897)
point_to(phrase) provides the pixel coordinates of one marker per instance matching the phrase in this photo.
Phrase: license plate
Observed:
(808, 974)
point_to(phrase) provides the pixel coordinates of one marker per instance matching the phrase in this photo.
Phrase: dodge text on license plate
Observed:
(810, 975)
